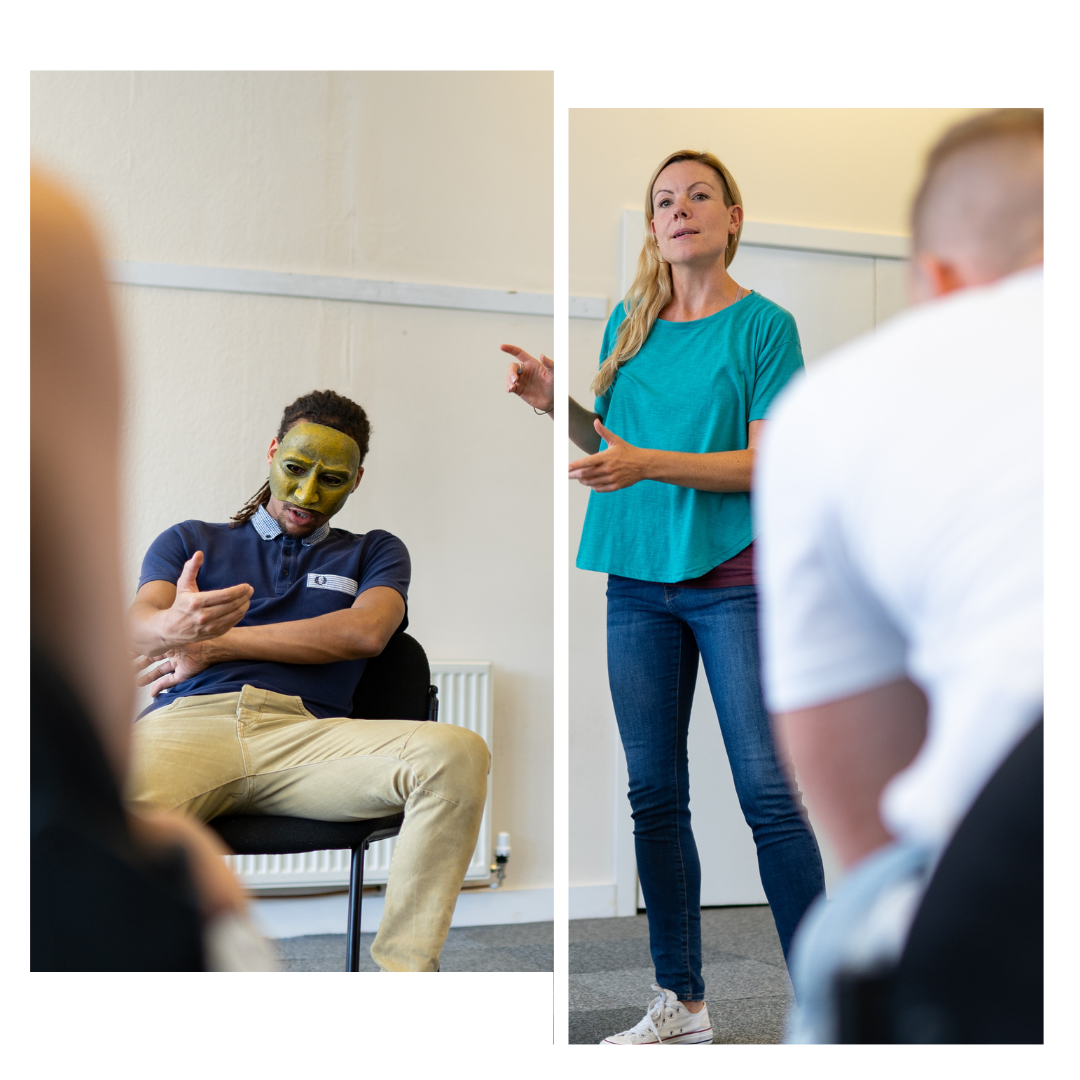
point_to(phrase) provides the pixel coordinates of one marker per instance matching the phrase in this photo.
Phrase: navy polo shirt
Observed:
(293, 579)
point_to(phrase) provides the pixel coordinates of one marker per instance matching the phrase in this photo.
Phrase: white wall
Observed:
(849, 169)
(428, 177)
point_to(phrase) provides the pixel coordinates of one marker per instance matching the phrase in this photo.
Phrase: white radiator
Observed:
(465, 696)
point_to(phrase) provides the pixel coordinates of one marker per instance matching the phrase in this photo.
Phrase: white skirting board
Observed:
(298, 916)
(593, 901)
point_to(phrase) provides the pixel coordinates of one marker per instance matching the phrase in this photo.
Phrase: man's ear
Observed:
(274, 444)
(933, 277)
(359, 477)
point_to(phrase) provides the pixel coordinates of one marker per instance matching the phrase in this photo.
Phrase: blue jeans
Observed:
(655, 633)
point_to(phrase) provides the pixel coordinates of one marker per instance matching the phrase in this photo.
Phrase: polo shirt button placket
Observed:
(286, 555)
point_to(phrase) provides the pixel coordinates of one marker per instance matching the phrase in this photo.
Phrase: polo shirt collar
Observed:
(269, 529)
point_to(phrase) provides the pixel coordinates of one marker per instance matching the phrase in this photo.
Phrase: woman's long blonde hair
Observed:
(651, 291)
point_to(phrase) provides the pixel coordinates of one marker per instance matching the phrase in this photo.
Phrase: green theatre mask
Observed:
(314, 468)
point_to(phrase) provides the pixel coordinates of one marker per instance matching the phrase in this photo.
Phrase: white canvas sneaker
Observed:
(667, 1021)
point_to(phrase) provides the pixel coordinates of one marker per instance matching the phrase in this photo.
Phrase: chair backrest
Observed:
(396, 684)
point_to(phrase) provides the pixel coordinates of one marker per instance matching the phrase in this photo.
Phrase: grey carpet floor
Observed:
(746, 982)
(512, 947)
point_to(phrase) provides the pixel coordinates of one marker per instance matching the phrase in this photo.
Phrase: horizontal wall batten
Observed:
(588, 307)
(325, 287)
(834, 241)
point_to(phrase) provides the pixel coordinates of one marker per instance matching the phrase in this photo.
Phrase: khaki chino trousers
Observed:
(257, 752)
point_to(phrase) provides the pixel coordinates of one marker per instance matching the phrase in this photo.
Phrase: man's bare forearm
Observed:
(846, 751)
(324, 639)
(148, 629)
(582, 432)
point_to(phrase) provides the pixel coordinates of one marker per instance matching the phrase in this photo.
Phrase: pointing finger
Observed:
(515, 350)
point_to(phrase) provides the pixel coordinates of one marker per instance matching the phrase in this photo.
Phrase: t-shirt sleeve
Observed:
(825, 635)
(385, 562)
(779, 359)
(611, 332)
(166, 556)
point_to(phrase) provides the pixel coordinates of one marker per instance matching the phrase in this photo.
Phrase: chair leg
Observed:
(356, 891)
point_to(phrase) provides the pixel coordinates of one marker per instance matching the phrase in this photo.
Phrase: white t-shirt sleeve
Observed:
(824, 635)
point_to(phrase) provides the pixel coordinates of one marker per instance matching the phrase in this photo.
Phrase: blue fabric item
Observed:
(291, 581)
(863, 926)
(694, 387)
(655, 633)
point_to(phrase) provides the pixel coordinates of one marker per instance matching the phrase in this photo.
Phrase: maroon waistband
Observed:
(738, 570)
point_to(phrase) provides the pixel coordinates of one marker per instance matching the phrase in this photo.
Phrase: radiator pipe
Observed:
(502, 857)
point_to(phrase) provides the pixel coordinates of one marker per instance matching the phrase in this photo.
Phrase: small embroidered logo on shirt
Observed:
(332, 581)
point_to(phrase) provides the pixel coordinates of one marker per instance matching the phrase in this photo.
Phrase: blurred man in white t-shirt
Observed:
(899, 507)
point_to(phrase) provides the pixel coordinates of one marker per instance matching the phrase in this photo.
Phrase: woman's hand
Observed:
(620, 465)
(532, 380)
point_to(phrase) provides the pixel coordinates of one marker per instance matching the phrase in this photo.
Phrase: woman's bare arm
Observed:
(582, 432)
(532, 380)
(623, 464)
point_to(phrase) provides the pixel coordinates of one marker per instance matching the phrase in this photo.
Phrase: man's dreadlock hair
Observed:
(319, 407)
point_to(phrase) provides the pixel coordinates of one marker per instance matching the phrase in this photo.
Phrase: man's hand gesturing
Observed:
(173, 625)
(166, 616)
(198, 616)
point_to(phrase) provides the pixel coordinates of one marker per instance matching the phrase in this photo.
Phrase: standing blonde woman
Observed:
(690, 363)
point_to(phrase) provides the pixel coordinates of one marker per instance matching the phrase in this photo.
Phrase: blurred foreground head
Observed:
(979, 212)
(76, 592)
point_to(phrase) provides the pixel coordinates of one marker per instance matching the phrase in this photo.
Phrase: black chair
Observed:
(396, 685)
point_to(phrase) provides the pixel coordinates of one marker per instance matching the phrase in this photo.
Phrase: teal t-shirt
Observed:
(693, 387)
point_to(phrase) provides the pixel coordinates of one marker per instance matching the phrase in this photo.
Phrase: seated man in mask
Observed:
(256, 633)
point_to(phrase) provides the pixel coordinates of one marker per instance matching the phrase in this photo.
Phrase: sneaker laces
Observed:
(655, 1013)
